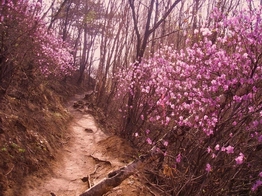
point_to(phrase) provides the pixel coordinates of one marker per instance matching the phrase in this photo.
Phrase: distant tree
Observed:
(111, 50)
(79, 22)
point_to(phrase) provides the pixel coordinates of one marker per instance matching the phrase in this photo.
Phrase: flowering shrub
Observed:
(25, 43)
(212, 89)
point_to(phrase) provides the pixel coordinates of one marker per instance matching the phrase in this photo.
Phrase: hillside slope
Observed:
(33, 122)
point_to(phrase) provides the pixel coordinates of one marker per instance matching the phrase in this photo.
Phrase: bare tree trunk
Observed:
(83, 58)
(66, 22)
(57, 14)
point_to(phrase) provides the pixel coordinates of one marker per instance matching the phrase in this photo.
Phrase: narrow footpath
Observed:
(87, 157)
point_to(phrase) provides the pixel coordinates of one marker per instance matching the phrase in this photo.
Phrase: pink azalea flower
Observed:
(149, 141)
(208, 167)
(167, 120)
(213, 155)
(256, 185)
(239, 160)
(230, 150)
(178, 158)
(165, 143)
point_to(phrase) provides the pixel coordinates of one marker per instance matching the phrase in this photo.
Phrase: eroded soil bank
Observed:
(87, 157)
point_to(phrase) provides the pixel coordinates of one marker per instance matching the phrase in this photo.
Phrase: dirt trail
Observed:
(87, 158)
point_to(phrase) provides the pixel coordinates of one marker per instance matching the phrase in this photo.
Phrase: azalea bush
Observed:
(26, 46)
(209, 95)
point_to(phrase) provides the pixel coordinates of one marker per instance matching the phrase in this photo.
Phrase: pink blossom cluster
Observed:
(23, 28)
(258, 183)
(194, 86)
(229, 150)
(215, 82)
(54, 55)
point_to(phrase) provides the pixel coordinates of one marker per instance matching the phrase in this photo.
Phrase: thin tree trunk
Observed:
(57, 14)
(130, 123)
(83, 59)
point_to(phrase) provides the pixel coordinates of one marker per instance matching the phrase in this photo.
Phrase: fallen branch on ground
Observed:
(115, 178)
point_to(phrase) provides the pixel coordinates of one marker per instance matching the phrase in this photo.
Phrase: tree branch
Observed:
(170, 33)
(164, 16)
(115, 178)
(132, 6)
(57, 14)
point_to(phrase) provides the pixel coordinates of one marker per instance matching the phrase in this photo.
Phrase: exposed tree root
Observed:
(99, 160)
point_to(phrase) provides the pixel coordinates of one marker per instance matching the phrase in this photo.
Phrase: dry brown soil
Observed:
(87, 157)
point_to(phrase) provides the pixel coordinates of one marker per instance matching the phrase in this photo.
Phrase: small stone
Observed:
(88, 130)
(84, 179)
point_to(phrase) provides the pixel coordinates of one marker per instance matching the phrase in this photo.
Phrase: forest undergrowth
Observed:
(33, 125)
